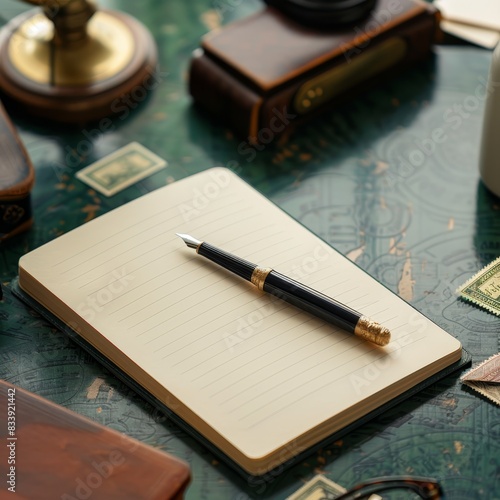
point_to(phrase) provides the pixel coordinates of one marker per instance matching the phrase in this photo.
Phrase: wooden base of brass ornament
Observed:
(80, 82)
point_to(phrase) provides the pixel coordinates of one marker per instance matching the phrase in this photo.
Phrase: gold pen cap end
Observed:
(370, 330)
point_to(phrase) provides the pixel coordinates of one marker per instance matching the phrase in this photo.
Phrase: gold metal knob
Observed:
(70, 19)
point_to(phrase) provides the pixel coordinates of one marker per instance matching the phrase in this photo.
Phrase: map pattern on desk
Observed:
(367, 177)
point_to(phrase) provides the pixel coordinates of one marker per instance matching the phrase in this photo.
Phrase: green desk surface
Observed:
(421, 223)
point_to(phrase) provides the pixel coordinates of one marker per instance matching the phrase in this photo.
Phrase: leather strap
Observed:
(16, 180)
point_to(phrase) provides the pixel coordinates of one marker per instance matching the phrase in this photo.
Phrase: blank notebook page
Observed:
(246, 365)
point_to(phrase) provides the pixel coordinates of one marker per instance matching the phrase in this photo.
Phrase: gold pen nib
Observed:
(370, 330)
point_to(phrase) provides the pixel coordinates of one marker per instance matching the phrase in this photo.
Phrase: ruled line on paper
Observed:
(237, 381)
(287, 383)
(293, 312)
(154, 226)
(191, 332)
(170, 317)
(217, 341)
(336, 343)
(159, 299)
(252, 360)
(296, 387)
(208, 359)
(105, 250)
(275, 397)
(158, 324)
(164, 233)
(141, 222)
(131, 290)
(259, 230)
(279, 346)
(295, 401)
(161, 245)
(364, 307)
(111, 236)
(150, 291)
(196, 338)
(245, 353)
(154, 339)
(115, 256)
(283, 407)
(134, 270)
(129, 226)
(223, 217)
(275, 360)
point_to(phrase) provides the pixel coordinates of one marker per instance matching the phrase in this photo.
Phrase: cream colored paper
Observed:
(480, 13)
(259, 378)
(477, 21)
(480, 36)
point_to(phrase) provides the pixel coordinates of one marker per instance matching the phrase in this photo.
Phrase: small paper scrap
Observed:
(483, 289)
(477, 22)
(485, 378)
(317, 488)
(322, 488)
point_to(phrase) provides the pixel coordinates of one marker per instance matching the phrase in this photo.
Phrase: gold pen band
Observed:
(259, 276)
(370, 330)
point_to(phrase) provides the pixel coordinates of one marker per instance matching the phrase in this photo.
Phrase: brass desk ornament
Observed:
(71, 62)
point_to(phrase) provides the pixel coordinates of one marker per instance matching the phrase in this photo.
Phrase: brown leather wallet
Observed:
(51, 452)
(264, 73)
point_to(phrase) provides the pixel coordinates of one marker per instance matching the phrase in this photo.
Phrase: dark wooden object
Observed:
(264, 72)
(16, 180)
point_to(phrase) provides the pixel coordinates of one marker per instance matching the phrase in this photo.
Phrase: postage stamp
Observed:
(121, 169)
(485, 378)
(483, 289)
(319, 487)
(322, 488)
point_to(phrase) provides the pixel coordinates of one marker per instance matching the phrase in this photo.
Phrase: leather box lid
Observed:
(269, 49)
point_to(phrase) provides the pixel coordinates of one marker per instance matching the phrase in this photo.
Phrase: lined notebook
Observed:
(258, 378)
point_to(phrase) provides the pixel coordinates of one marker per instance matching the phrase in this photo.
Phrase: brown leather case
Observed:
(264, 73)
(16, 180)
(49, 452)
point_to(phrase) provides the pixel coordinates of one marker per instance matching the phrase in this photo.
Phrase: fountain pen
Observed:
(294, 293)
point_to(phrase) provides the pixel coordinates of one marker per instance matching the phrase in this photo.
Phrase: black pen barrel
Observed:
(286, 289)
(311, 301)
(238, 266)
(295, 293)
